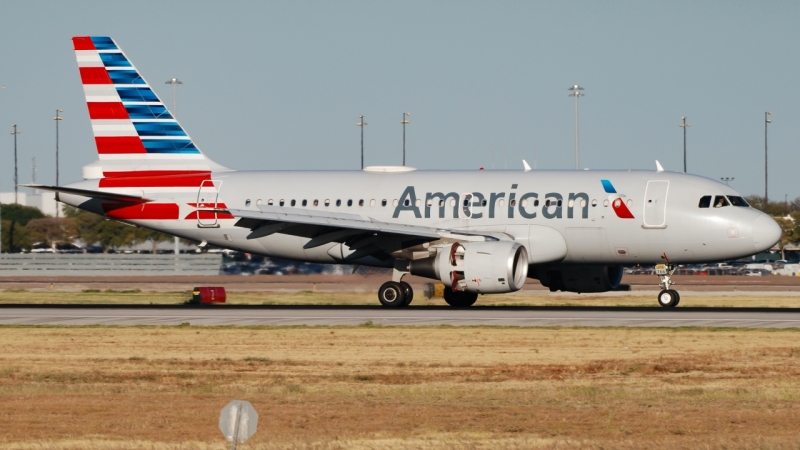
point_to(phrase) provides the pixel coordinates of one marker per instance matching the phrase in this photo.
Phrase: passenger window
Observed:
(305, 202)
(247, 202)
(705, 202)
(269, 202)
(720, 201)
(327, 202)
(738, 201)
(294, 202)
(349, 203)
(383, 202)
(372, 202)
(361, 202)
(281, 202)
(316, 202)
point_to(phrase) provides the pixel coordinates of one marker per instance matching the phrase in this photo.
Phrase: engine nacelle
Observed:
(484, 267)
(580, 278)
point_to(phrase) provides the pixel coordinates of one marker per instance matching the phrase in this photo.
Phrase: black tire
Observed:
(677, 296)
(408, 292)
(667, 298)
(459, 299)
(392, 295)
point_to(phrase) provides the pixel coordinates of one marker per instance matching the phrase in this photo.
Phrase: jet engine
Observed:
(580, 278)
(483, 267)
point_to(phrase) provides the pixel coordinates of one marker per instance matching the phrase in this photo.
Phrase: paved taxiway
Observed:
(348, 315)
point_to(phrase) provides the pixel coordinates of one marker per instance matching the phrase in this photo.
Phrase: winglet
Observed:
(658, 167)
(527, 167)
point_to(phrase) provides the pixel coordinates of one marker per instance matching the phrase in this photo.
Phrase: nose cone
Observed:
(766, 233)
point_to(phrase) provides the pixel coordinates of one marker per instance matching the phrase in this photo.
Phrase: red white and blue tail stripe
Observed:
(133, 129)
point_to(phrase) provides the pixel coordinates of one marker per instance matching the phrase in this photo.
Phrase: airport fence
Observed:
(99, 265)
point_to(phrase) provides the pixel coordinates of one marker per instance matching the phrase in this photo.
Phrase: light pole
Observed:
(16, 174)
(175, 82)
(684, 125)
(405, 122)
(767, 121)
(2, 86)
(727, 179)
(361, 123)
(576, 92)
(57, 119)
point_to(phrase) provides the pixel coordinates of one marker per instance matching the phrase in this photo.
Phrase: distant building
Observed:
(43, 200)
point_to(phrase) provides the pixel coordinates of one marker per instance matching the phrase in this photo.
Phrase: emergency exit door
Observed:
(207, 198)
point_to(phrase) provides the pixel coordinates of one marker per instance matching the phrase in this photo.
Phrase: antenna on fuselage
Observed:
(658, 167)
(526, 166)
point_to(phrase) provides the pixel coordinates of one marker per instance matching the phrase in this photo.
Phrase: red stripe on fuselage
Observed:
(144, 211)
(94, 75)
(107, 110)
(83, 43)
(155, 178)
(119, 145)
(208, 215)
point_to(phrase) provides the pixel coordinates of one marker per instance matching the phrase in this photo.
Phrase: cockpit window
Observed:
(737, 201)
(705, 201)
(720, 201)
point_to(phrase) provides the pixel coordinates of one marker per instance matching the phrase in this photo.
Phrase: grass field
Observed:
(400, 387)
(523, 298)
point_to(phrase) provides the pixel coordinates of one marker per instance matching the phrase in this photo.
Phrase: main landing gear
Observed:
(668, 298)
(395, 294)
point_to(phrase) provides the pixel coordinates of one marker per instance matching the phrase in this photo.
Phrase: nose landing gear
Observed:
(668, 298)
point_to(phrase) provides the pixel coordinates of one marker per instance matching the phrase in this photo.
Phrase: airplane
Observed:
(478, 231)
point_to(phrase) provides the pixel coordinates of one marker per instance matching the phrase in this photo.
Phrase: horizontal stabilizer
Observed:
(128, 197)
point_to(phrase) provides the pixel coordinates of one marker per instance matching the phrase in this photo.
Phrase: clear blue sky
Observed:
(280, 85)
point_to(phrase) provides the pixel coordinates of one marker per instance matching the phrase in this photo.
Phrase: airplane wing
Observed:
(366, 236)
(130, 196)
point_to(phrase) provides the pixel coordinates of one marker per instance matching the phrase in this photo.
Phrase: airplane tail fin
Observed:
(134, 131)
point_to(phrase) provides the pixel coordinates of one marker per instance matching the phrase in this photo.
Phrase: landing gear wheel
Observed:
(459, 299)
(392, 295)
(408, 292)
(668, 298)
(677, 296)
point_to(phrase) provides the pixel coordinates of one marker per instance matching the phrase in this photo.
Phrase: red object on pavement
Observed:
(208, 294)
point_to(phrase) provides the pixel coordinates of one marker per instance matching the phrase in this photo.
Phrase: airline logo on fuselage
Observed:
(617, 201)
(476, 205)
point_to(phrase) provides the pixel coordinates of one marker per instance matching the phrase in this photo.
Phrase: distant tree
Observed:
(773, 208)
(154, 237)
(96, 229)
(52, 230)
(20, 214)
(790, 225)
(15, 237)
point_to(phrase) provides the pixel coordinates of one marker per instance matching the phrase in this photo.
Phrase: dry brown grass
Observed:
(386, 387)
(524, 298)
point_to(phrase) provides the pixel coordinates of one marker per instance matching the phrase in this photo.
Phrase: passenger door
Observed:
(655, 204)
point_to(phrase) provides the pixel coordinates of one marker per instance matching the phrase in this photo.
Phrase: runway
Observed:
(411, 316)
